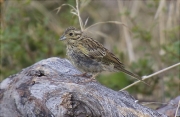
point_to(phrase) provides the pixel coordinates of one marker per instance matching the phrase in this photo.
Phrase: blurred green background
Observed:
(30, 30)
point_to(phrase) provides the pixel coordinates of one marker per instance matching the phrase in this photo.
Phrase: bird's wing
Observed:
(95, 50)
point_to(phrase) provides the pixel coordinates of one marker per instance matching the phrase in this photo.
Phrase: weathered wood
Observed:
(171, 109)
(48, 88)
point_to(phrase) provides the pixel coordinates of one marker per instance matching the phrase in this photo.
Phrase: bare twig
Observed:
(86, 22)
(59, 8)
(106, 22)
(79, 17)
(177, 109)
(177, 14)
(148, 103)
(146, 77)
(160, 7)
(170, 16)
(127, 36)
(74, 11)
(135, 8)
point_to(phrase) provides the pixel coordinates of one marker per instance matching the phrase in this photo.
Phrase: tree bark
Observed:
(50, 88)
(171, 109)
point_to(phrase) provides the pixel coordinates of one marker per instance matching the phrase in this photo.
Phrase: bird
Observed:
(89, 56)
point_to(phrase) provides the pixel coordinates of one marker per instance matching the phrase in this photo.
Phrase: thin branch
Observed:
(170, 17)
(148, 103)
(160, 7)
(136, 6)
(75, 11)
(146, 77)
(177, 10)
(127, 36)
(86, 22)
(59, 8)
(111, 22)
(177, 109)
(80, 20)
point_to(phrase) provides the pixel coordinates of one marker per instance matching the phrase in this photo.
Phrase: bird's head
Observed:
(71, 34)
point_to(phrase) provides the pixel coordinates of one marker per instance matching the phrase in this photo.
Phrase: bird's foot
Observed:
(83, 75)
(92, 79)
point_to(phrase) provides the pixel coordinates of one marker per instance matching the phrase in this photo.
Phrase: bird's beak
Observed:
(63, 37)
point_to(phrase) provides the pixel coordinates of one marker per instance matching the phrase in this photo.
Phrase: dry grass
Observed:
(151, 75)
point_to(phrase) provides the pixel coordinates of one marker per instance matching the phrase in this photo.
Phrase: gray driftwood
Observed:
(171, 109)
(49, 89)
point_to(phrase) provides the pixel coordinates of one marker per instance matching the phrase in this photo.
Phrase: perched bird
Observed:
(89, 56)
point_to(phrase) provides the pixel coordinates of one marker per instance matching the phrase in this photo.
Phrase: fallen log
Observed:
(49, 88)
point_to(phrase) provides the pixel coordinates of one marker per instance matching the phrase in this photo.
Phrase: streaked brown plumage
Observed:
(90, 56)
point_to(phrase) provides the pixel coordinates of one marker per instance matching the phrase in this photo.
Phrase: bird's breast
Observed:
(83, 62)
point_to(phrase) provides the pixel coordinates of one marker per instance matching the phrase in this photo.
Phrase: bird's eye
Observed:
(70, 34)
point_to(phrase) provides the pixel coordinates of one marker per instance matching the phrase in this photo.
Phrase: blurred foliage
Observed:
(114, 80)
(31, 29)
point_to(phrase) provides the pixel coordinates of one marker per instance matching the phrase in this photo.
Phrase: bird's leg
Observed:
(92, 79)
(83, 75)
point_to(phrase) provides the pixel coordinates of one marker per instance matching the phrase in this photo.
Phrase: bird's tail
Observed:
(133, 75)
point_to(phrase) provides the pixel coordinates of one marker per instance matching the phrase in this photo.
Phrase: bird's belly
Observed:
(84, 63)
